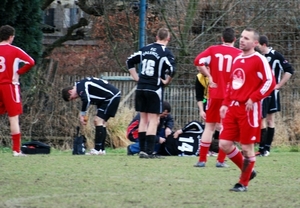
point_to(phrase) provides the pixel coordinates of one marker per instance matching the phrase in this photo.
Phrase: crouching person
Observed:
(106, 98)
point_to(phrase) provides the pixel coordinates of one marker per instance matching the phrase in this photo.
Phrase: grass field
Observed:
(117, 180)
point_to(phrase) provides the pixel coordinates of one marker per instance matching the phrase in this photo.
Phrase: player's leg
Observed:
(263, 138)
(100, 135)
(270, 132)
(107, 110)
(15, 133)
(275, 106)
(153, 107)
(11, 102)
(205, 143)
(265, 104)
(212, 118)
(142, 131)
(153, 119)
(228, 136)
(140, 100)
(249, 127)
(221, 154)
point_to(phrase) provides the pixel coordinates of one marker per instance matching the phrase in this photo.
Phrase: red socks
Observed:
(204, 147)
(248, 166)
(16, 140)
(221, 156)
(236, 157)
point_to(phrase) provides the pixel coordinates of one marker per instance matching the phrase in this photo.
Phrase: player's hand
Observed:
(223, 111)
(176, 134)
(211, 82)
(83, 119)
(168, 131)
(167, 80)
(161, 140)
(249, 105)
(203, 115)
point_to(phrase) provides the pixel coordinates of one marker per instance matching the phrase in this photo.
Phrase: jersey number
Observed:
(221, 58)
(186, 145)
(148, 67)
(2, 64)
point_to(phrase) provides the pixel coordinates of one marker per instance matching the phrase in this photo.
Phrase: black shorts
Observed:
(275, 102)
(265, 106)
(149, 101)
(271, 104)
(109, 108)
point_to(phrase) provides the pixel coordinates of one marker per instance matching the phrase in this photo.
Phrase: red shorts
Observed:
(240, 125)
(10, 100)
(213, 110)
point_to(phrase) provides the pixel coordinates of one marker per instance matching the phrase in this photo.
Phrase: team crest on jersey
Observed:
(238, 78)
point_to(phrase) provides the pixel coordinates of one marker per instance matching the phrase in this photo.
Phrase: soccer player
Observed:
(164, 129)
(10, 99)
(105, 96)
(271, 104)
(201, 88)
(219, 59)
(251, 80)
(157, 69)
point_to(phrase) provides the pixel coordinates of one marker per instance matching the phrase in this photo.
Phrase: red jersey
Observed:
(219, 58)
(10, 58)
(251, 77)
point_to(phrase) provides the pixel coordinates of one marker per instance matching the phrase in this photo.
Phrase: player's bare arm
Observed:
(134, 74)
(284, 79)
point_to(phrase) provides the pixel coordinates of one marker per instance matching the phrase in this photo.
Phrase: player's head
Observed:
(163, 34)
(263, 44)
(7, 33)
(67, 93)
(228, 35)
(166, 109)
(263, 40)
(249, 40)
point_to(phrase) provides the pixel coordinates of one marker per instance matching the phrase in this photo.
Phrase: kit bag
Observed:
(35, 147)
(79, 142)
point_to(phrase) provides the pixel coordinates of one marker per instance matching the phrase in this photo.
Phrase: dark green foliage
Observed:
(25, 16)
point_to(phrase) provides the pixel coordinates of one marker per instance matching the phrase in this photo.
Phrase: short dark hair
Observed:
(6, 31)
(166, 106)
(263, 40)
(65, 93)
(228, 35)
(163, 33)
(255, 32)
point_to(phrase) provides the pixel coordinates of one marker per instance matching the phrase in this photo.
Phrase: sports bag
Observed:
(79, 144)
(35, 147)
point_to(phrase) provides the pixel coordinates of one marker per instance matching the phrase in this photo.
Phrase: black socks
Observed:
(100, 136)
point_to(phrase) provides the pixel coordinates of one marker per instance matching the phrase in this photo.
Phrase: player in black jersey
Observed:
(270, 105)
(157, 69)
(106, 97)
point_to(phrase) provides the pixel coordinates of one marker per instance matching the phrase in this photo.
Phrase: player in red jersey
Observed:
(10, 99)
(219, 59)
(251, 80)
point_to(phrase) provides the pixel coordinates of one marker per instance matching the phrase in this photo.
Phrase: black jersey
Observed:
(94, 91)
(156, 61)
(278, 64)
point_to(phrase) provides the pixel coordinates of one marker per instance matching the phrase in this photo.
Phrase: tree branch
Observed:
(95, 10)
(69, 36)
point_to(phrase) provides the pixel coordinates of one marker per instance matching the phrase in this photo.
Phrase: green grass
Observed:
(117, 180)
